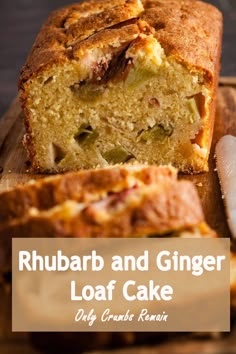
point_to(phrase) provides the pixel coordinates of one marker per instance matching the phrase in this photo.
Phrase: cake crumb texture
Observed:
(119, 81)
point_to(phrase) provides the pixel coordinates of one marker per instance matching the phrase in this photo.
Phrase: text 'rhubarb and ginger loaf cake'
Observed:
(111, 81)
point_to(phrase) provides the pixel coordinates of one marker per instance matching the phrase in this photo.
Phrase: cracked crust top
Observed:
(188, 30)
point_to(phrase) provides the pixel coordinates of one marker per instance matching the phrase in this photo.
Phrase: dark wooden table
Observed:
(20, 20)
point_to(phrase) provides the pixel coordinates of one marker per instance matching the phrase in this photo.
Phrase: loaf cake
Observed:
(113, 81)
(82, 186)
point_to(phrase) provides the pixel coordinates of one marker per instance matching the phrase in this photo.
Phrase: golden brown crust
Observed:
(119, 35)
(170, 19)
(54, 43)
(82, 186)
(188, 30)
(84, 27)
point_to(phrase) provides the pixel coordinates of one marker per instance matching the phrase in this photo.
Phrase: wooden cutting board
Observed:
(14, 170)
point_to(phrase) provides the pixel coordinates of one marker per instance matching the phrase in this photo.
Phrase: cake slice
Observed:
(82, 186)
(114, 81)
(162, 209)
(132, 212)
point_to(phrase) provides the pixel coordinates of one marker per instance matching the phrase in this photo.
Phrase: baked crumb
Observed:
(119, 82)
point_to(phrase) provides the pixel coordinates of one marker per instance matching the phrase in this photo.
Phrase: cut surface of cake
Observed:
(108, 82)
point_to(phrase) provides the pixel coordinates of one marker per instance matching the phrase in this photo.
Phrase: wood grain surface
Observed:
(14, 169)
